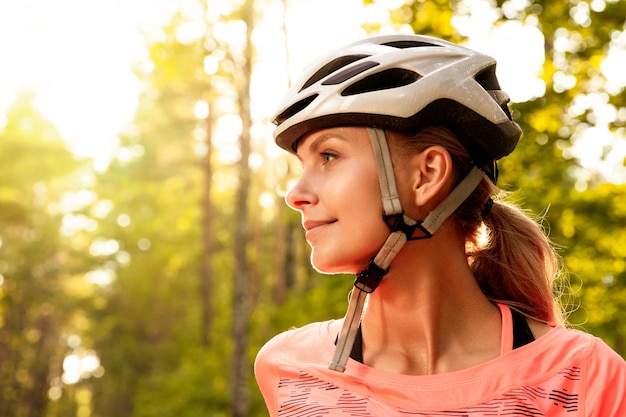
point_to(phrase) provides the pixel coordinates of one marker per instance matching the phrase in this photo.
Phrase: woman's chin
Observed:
(335, 268)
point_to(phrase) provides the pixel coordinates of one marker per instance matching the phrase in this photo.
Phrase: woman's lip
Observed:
(312, 224)
(312, 227)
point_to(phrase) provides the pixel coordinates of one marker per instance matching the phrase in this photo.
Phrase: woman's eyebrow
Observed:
(317, 143)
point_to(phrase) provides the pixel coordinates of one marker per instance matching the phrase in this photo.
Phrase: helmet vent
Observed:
(350, 72)
(333, 66)
(294, 109)
(487, 78)
(404, 44)
(384, 80)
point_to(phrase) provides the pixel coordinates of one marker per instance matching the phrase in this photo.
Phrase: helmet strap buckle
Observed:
(407, 226)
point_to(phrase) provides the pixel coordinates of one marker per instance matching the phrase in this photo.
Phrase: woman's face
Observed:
(339, 198)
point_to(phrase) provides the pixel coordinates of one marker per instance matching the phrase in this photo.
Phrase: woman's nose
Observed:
(300, 195)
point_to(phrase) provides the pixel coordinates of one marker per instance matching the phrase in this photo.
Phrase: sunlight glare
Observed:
(581, 14)
(375, 13)
(613, 65)
(226, 137)
(562, 82)
(88, 88)
(123, 220)
(598, 6)
(211, 65)
(256, 161)
(81, 364)
(122, 258)
(518, 73)
(102, 208)
(189, 32)
(475, 18)
(589, 143)
(227, 130)
(266, 200)
(72, 224)
(219, 8)
(71, 369)
(229, 154)
(104, 247)
(513, 8)
(100, 277)
(201, 109)
(232, 32)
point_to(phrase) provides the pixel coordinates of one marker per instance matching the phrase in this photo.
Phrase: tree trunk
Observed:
(280, 250)
(208, 240)
(36, 394)
(290, 254)
(241, 302)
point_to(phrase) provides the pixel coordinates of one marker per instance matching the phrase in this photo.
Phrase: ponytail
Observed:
(515, 263)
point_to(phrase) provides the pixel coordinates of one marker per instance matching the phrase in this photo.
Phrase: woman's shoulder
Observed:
(602, 360)
(593, 345)
(590, 354)
(560, 340)
(302, 339)
(603, 373)
(315, 329)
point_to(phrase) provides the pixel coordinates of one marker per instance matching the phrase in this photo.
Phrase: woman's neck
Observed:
(429, 316)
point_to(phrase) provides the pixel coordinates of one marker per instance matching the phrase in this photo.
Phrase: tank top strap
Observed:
(506, 339)
(515, 330)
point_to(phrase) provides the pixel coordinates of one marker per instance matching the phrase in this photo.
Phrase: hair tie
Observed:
(486, 208)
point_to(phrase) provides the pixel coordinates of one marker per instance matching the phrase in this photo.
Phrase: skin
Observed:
(428, 316)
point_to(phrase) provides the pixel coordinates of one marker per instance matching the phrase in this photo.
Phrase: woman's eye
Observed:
(327, 156)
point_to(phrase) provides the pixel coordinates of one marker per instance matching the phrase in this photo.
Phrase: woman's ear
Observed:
(432, 171)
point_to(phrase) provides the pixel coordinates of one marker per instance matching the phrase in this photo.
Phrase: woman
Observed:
(452, 312)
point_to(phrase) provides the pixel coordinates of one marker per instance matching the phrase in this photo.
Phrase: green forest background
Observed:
(159, 278)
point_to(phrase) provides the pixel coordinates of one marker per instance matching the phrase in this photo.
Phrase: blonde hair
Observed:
(513, 260)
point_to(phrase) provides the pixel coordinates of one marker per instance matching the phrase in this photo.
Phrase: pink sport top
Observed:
(563, 373)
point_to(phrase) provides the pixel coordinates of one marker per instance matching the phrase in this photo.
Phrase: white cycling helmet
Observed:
(402, 83)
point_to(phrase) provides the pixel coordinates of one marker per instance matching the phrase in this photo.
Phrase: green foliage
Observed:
(424, 17)
(35, 260)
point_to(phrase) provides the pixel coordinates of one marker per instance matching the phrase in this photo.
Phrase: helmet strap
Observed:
(386, 176)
